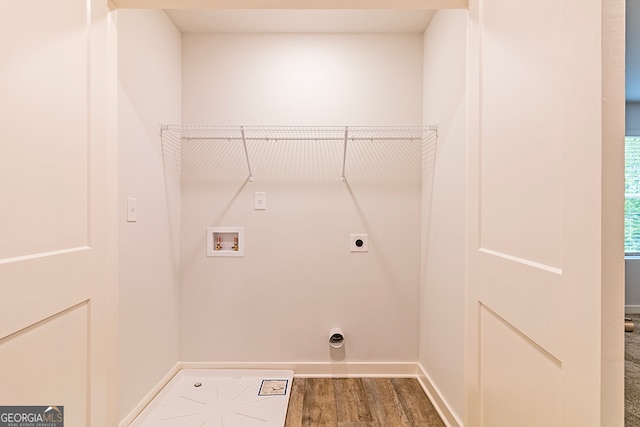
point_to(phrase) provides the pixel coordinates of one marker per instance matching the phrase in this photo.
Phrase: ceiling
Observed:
(300, 20)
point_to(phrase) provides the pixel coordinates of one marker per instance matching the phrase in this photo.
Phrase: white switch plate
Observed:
(359, 243)
(260, 201)
(132, 210)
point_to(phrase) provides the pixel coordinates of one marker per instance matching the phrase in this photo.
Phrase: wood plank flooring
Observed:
(360, 402)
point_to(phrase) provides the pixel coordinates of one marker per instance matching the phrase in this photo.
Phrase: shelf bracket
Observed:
(163, 127)
(246, 153)
(343, 178)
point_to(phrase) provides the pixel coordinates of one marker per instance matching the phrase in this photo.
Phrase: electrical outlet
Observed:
(260, 201)
(359, 243)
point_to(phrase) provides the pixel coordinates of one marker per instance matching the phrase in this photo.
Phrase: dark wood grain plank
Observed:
(383, 401)
(416, 404)
(296, 403)
(319, 404)
(351, 401)
(358, 402)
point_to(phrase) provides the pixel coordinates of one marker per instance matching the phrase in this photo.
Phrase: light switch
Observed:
(132, 210)
(260, 201)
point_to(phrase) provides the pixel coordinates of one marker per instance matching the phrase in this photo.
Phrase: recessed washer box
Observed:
(225, 241)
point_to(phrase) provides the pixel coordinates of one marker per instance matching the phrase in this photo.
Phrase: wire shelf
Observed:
(345, 134)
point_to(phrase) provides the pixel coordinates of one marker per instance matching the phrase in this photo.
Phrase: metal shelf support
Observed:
(246, 153)
(343, 178)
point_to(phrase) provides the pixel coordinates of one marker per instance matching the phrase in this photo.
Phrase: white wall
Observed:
(297, 278)
(149, 72)
(443, 258)
(302, 79)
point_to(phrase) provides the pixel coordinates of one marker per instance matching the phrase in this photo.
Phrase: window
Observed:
(632, 196)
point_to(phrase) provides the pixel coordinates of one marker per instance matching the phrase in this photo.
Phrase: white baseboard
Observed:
(440, 403)
(306, 370)
(128, 419)
(632, 309)
(310, 369)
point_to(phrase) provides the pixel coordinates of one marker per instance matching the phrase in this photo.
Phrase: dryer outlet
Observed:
(359, 243)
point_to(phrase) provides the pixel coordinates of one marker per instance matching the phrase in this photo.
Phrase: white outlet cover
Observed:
(260, 201)
(359, 243)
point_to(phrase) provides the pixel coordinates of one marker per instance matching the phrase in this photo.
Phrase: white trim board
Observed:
(137, 410)
(439, 402)
(318, 370)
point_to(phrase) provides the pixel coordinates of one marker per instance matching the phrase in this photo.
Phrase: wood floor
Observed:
(360, 402)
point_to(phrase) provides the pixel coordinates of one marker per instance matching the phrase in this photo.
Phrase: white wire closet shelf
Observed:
(345, 134)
